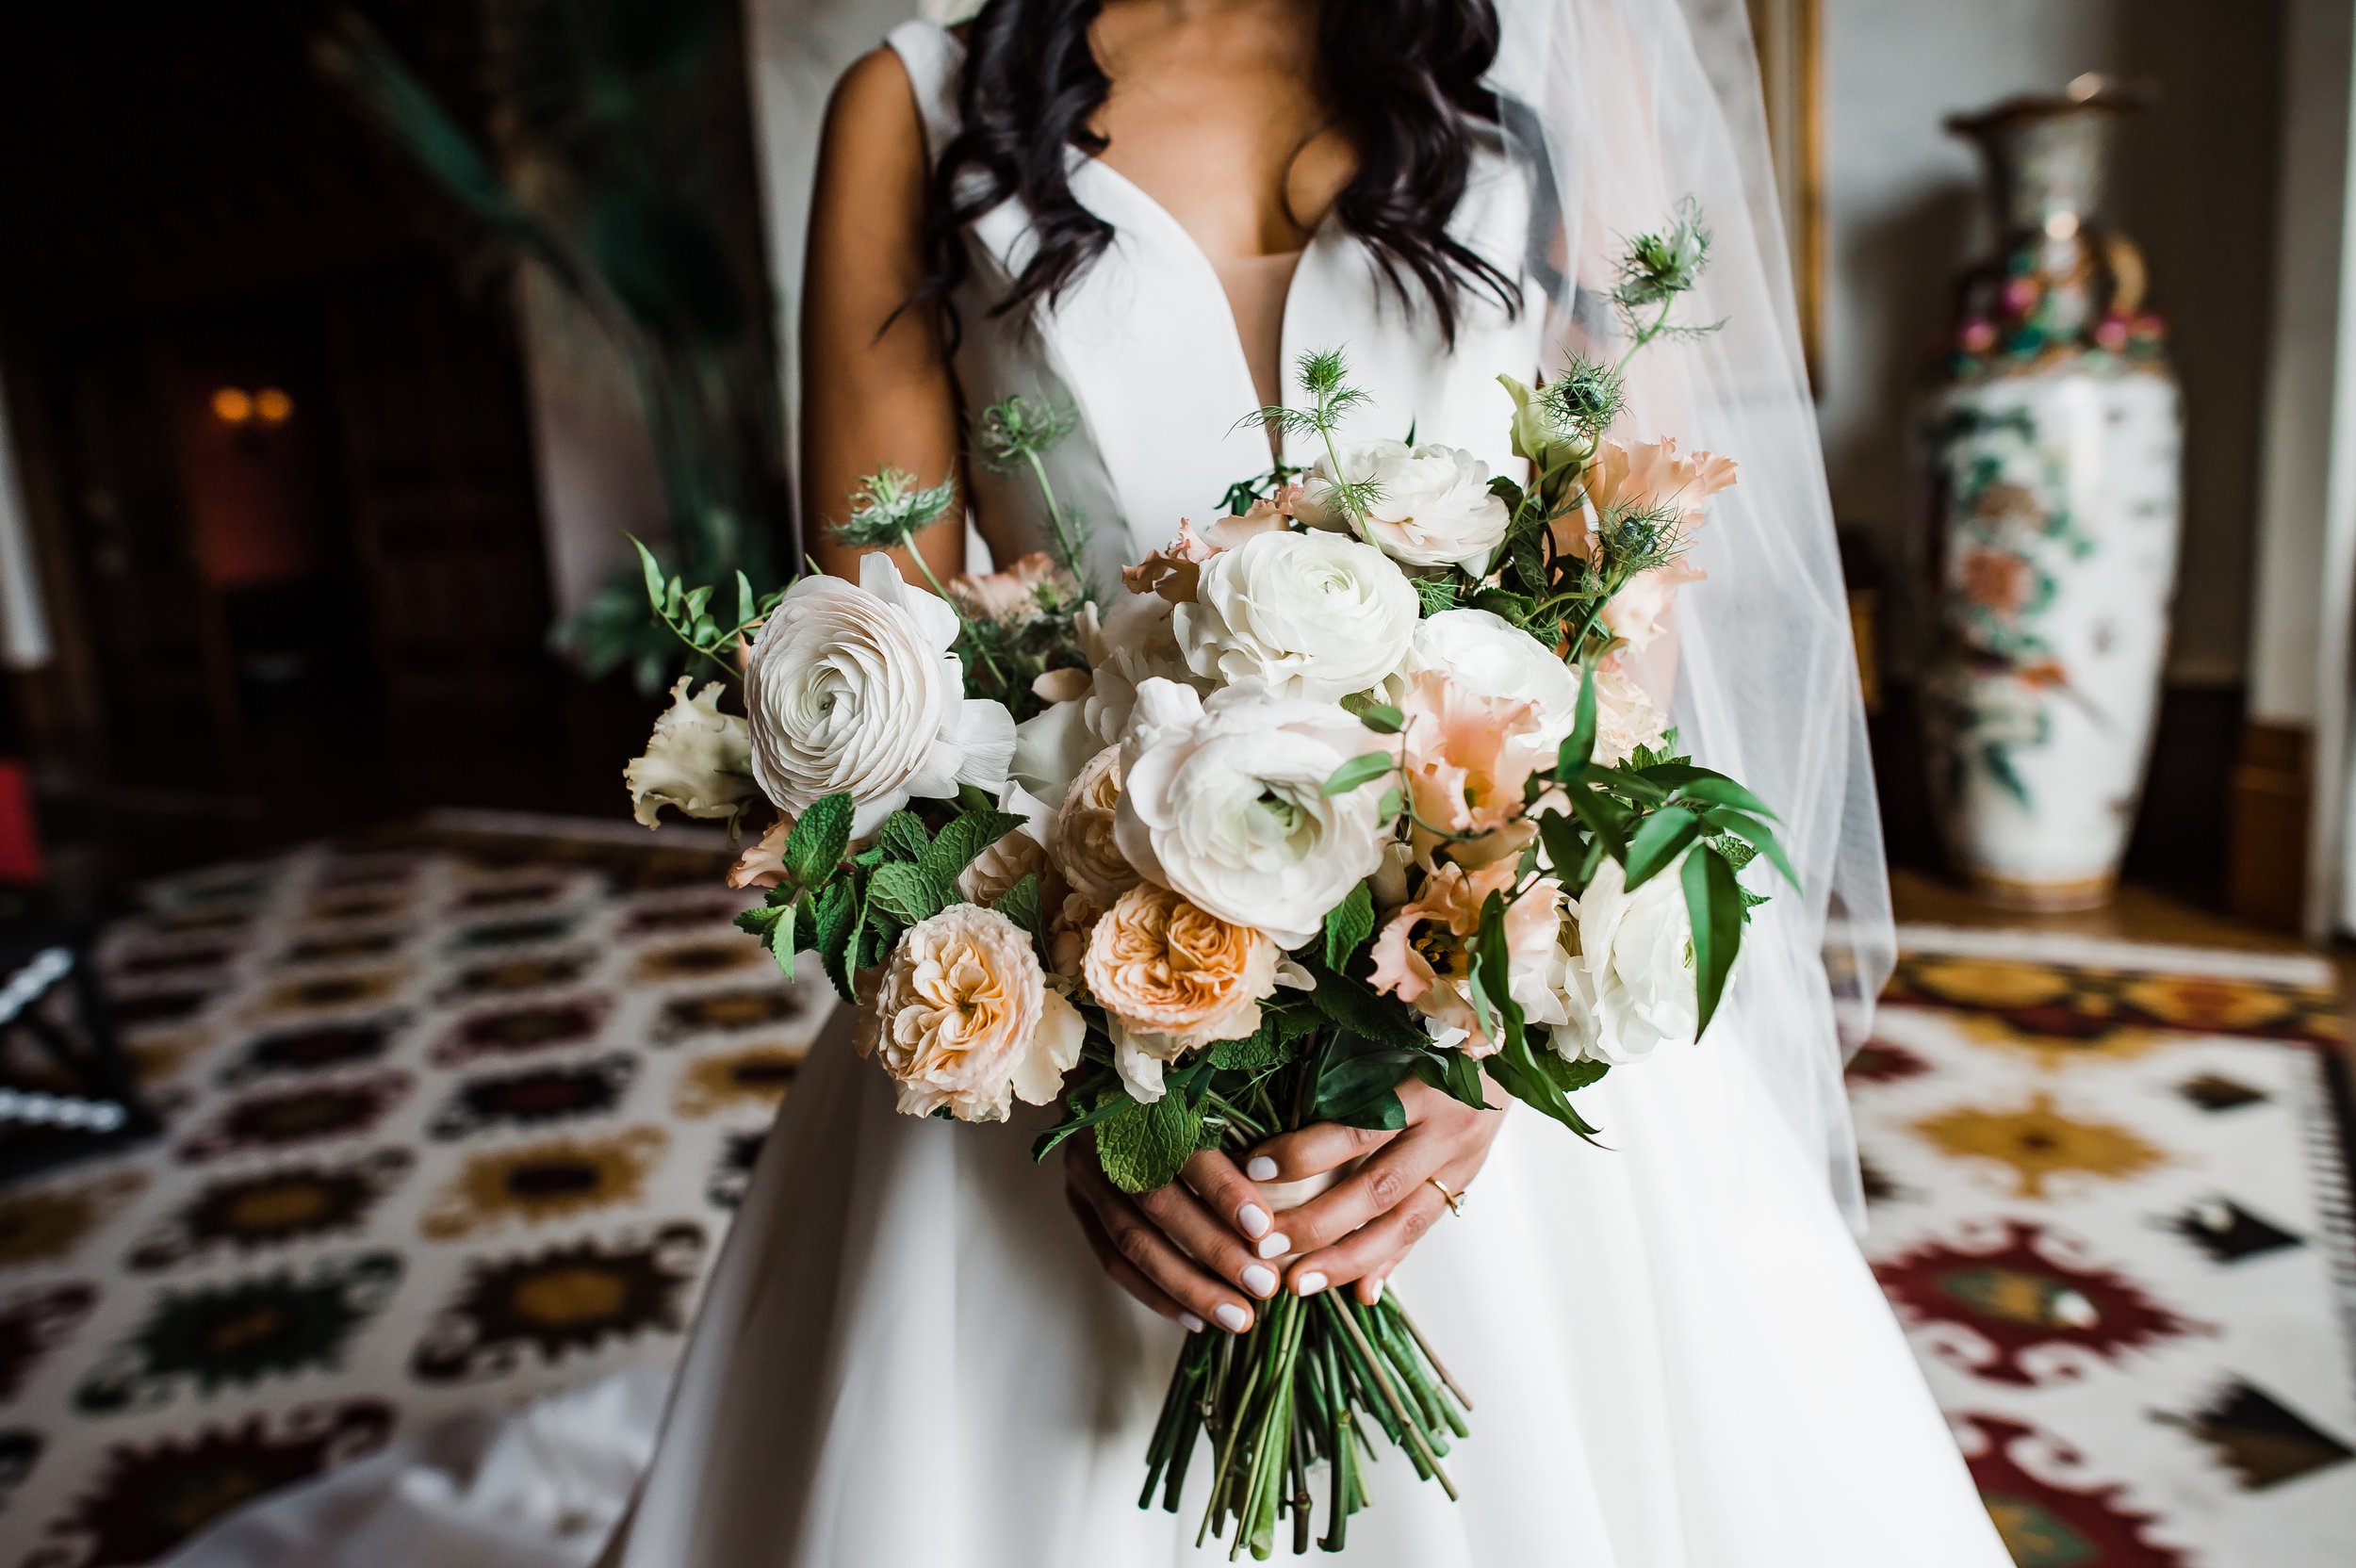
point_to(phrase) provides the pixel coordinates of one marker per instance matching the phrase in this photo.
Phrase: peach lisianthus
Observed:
(1468, 758)
(1650, 476)
(1423, 955)
(1171, 977)
(963, 1018)
(1174, 571)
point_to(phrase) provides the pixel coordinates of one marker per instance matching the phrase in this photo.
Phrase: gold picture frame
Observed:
(1789, 38)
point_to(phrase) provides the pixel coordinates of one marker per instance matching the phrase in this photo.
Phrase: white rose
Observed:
(1630, 986)
(854, 688)
(1223, 799)
(698, 761)
(1491, 656)
(1432, 504)
(1310, 615)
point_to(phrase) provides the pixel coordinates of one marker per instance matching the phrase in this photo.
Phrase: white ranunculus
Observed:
(1222, 800)
(852, 687)
(1431, 505)
(698, 762)
(1490, 657)
(1088, 710)
(1631, 985)
(1310, 615)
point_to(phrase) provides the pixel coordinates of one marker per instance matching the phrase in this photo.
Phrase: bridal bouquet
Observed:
(1347, 786)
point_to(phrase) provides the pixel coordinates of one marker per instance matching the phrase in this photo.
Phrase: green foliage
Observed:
(1358, 770)
(1714, 901)
(1143, 1147)
(1654, 270)
(1325, 376)
(815, 842)
(1348, 925)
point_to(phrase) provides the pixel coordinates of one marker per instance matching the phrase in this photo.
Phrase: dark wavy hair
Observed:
(1408, 96)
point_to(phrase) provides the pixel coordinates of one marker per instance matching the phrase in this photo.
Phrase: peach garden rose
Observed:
(1171, 977)
(963, 1018)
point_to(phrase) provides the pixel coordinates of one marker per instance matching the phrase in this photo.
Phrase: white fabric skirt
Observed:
(1677, 1358)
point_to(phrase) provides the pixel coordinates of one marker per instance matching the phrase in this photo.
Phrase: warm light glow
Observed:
(273, 406)
(232, 405)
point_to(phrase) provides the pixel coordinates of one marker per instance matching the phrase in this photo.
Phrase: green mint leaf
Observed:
(1143, 1147)
(818, 839)
(1348, 925)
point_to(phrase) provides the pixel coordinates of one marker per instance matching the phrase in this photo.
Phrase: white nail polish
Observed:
(1253, 1219)
(1232, 1317)
(1309, 1283)
(1374, 1293)
(1275, 1246)
(1194, 1323)
(1261, 1169)
(1260, 1280)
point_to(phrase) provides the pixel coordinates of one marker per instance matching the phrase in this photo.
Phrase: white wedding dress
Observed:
(908, 1357)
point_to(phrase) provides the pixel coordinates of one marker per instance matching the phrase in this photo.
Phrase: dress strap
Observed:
(933, 58)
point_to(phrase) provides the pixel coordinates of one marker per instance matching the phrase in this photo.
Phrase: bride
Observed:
(921, 1348)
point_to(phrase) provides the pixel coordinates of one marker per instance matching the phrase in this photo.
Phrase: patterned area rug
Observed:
(459, 1116)
(454, 1118)
(2111, 1202)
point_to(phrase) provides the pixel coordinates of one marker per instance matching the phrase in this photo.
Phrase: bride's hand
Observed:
(1183, 1249)
(1359, 1229)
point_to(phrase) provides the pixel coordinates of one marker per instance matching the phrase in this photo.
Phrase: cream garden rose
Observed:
(964, 1018)
(1171, 977)
(1223, 799)
(1630, 987)
(1310, 615)
(853, 687)
(1432, 506)
(698, 762)
(1082, 841)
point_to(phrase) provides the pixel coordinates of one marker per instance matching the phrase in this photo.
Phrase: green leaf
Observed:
(1604, 819)
(1758, 835)
(1265, 1047)
(835, 921)
(1348, 925)
(1143, 1147)
(1714, 901)
(1711, 789)
(903, 835)
(1382, 1114)
(1387, 808)
(1658, 841)
(1360, 770)
(1437, 592)
(908, 892)
(652, 570)
(1359, 1010)
(1383, 718)
(1354, 1075)
(746, 603)
(1570, 1076)
(1563, 846)
(1020, 904)
(1580, 744)
(1090, 1103)
(1493, 973)
(965, 837)
(815, 845)
(1521, 1073)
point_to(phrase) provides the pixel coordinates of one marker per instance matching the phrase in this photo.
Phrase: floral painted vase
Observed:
(2054, 446)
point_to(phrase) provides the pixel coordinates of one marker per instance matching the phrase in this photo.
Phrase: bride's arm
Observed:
(877, 389)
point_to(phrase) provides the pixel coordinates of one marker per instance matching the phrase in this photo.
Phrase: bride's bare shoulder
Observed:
(874, 109)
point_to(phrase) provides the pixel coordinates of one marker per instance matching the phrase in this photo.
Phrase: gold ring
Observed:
(1455, 1199)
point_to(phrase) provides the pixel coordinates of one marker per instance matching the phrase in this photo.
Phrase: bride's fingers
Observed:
(1199, 1233)
(1137, 1241)
(1373, 1249)
(1225, 1191)
(1380, 1185)
(1312, 1152)
(1117, 1268)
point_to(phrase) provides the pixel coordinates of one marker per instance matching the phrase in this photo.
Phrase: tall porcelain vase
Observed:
(2053, 444)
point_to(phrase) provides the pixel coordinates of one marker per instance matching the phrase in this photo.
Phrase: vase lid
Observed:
(2088, 92)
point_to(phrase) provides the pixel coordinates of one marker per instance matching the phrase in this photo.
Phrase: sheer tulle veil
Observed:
(1620, 110)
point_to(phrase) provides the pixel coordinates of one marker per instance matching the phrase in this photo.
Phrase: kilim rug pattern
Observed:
(2110, 1200)
(454, 1118)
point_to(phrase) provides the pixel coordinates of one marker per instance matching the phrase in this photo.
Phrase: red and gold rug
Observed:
(2111, 1202)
